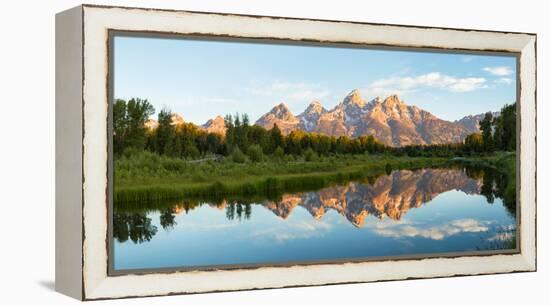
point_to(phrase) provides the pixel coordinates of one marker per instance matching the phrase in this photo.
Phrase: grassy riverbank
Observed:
(145, 176)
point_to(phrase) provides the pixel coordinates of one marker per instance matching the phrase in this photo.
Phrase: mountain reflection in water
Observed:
(388, 196)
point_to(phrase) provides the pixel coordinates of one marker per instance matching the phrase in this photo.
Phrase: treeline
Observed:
(181, 140)
(256, 141)
(244, 141)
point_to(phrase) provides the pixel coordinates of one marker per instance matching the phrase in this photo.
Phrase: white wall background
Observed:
(27, 152)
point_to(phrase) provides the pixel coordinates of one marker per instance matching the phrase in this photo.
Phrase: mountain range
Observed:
(389, 120)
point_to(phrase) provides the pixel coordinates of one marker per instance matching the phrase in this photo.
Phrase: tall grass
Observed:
(145, 176)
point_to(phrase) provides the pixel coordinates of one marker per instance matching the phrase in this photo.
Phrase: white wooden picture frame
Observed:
(82, 156)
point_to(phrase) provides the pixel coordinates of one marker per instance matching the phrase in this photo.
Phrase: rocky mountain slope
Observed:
(390, 120)
(176, 119)
(309, 118)
(216, 125)
(471, 122)
(282, 116)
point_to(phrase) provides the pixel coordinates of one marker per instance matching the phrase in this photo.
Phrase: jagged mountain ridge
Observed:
(282, 116)
(175, 118)
(310, 116)
(216, 125)
(391, 121)
(471, 122)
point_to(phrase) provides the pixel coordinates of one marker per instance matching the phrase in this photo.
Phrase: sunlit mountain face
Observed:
(403, 212)
(390, 120)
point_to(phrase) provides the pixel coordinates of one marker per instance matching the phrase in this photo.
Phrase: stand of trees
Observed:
(497, 133)
(182, 140)
(129, 123)
(256, 140)
(243, 140)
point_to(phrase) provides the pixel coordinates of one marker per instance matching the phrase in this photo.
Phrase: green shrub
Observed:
(255, 153)
(289, 158)
(191, 151)
(279, 154)
(237, 156)
(310, 155)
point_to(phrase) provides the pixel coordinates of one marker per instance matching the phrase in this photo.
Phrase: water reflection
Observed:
(388, 196)
(134, 226)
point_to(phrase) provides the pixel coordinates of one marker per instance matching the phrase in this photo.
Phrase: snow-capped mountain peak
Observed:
(315, 107)
(310, 117)
(281, 111)
(389, 120)
(353, 98)
(280, 115)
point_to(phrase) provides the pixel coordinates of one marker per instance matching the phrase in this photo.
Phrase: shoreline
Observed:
(273, 185)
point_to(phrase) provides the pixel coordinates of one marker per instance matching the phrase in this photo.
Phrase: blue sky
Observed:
(202, 79)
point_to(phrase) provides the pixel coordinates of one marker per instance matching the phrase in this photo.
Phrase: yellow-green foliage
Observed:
(147, 176)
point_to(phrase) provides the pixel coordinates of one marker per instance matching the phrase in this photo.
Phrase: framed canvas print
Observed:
(201, 152)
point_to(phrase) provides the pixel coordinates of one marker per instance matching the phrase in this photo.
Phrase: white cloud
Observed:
(187, 226)
(468, 84)
(435, 232)
(499, 70)
(506, 81)
(437, 80)
(290, 230)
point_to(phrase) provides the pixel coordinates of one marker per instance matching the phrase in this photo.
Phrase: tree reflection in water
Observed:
(494, 185)
(168, 218)
(135, 226)
(236, 209)
(378, 196)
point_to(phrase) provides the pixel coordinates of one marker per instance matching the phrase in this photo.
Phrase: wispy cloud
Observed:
(401, 85)
(190, 100)
(290, 230)
(385, 91)
(499, 70)
(188, 226)
(289, 91)
(435, 232)
(506, 81)
(503, 236)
